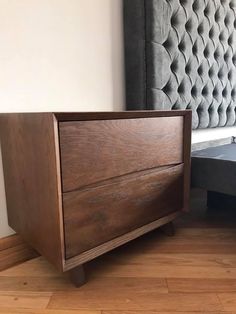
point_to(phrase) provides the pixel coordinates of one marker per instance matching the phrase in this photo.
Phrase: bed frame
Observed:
(181, 54)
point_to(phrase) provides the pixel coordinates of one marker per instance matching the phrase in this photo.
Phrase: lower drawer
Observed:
(98, 214)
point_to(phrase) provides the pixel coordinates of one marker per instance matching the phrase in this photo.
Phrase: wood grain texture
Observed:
(107, 115)
(228, 300)
(111, 210)
(112, 244)
(10, 241)
(31, 181)
(24, 300)
(48, 311)
(15, 255)
(93, 151)
(201, 285)
(161, 312)
(151, 300)
(187, 158)
(13, 250)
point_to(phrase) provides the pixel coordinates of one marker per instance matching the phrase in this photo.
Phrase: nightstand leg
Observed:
(77, 276)
(168, 229)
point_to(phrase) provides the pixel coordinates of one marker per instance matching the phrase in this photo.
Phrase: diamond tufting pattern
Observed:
(188, 58)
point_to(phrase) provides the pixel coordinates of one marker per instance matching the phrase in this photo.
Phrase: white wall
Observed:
(59, 55)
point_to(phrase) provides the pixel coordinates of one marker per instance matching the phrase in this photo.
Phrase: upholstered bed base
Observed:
(216, 200)
(214, 169)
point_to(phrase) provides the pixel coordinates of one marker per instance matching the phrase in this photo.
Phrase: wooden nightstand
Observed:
(81, 184)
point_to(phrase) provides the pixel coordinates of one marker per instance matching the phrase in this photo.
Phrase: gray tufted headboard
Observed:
(182, 54)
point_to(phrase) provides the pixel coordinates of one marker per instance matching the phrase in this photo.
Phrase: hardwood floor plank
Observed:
(36, 311)
(35, 283)
(156, 242)
(24, 300)
(168, 271)
(197, 247)
(162, 259)
(228, 301)
(134, 300)
(157, 312)
(212, 233)
(62, 283)
(35, 267)
(202, 285)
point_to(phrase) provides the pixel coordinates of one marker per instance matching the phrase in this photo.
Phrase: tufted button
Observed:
(174, 20)
(222, 36)
(167, 44)
(181, 88)
(227, 20)
(232, 4)
(211, 72)
(205, 91)
(217, 55)
(230, 75)
(206, 52)
(189, 25)
(183, 2)
(188, 68)
(200, 70)
(174, 66)
(167, 88)
(195, 49)
(194, 91)
(207, 10)
(182, 46)
(210, 109)
(200, 29)
(215, 92)
(196, 6)
(226, 56)
(233, 93)
(234, 60)
(224, 92)
(230, 40)
(220, 74)
(217, 16)
(211, 33)
(199, 109)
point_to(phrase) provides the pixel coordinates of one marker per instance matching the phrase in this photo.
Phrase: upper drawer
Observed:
(92, 151)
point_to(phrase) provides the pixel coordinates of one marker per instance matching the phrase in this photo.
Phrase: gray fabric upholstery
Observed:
(182, 54)
(214, 169)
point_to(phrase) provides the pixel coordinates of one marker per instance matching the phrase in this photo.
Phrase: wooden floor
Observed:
(192, 272)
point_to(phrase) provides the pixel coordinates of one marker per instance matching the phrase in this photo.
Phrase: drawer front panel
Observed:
(93, 151)
(96, 215)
